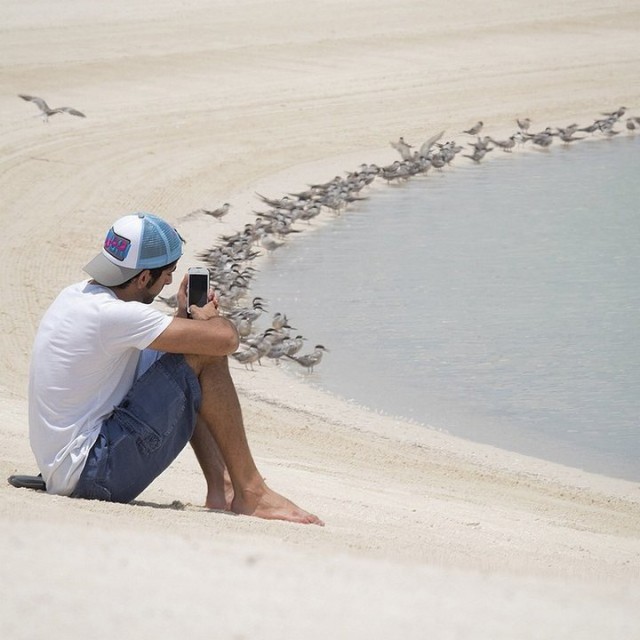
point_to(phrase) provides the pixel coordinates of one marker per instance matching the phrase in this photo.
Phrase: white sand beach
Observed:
(201, 102)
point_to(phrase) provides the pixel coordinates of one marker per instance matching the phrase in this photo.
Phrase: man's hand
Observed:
(208, 311)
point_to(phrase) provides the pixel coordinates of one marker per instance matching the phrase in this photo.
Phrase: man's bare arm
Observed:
(205, 333)
(214, 337)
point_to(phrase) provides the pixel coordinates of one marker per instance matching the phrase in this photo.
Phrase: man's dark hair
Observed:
(155, 274)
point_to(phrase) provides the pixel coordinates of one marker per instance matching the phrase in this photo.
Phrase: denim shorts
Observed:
(144, 434)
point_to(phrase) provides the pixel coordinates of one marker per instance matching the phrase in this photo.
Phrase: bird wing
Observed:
(39, 102)
(427, 144)
(403, 149)
(71, 111)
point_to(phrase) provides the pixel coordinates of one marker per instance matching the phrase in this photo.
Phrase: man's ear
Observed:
(143, 279)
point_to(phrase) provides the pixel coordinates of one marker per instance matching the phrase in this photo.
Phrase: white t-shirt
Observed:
(83, 364)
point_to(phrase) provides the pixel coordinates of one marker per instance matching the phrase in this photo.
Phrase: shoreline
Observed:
(309, 173)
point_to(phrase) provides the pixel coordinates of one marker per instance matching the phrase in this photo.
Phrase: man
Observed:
(117, 388)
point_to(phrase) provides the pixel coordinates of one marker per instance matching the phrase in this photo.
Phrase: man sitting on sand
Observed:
(117, 388)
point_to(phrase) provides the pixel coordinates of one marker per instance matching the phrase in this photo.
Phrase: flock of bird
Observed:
(229, 261)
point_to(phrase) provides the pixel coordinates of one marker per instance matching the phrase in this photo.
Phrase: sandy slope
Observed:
(195, 103)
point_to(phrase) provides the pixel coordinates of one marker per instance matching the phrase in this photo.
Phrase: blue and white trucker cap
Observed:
(134, 243)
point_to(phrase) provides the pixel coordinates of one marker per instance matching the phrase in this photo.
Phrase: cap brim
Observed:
(105, 272)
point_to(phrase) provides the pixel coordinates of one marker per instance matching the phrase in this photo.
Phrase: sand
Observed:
(195, 103)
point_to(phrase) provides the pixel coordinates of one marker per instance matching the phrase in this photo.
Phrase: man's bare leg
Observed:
(221, 413)
(219, 487)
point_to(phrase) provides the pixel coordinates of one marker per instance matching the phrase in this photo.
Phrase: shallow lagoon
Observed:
(499, 302)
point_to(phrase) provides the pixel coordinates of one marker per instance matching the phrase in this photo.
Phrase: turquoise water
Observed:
(499, 302)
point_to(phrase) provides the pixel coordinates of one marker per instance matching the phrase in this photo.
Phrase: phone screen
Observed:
(198, 289)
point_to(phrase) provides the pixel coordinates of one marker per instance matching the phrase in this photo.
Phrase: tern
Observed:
(310, 360)
(475, 130)
(247, 357)
(279, 321)
(403, 148)
(215, 213)
(427, 144)
(505, 145)
(524, 124)
(478, 154)
(171, 301)
(47, 111)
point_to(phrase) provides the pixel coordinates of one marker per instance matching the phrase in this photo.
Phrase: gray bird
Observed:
(403, 148)
(478, 154)
(427, 144)
(607, 128)
(505, 145)
(269, 242)
(295, 344)
(279, 350)
(481, 144)
(475, 130)
(310, 360)
(524, 124)
(279, 321)
(263, 342)
(47, 111)
(171, 301)
(616, 114)
(249, 313)
(438, 160)
(247, 357)
(543, 138)
(568, 135)
(243, 324)
(215, 213)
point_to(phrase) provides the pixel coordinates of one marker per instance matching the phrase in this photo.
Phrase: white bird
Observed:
(47, 111)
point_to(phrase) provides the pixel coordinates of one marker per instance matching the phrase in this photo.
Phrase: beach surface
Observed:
(197, 103)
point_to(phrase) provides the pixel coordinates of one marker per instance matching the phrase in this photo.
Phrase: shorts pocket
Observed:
(147, 438)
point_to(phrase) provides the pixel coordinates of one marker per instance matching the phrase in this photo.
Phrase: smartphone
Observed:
(197, 286)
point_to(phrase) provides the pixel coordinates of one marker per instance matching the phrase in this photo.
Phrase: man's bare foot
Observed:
(220, 498)
(267, 504)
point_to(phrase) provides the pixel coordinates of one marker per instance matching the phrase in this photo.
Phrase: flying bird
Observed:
(47, 111)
